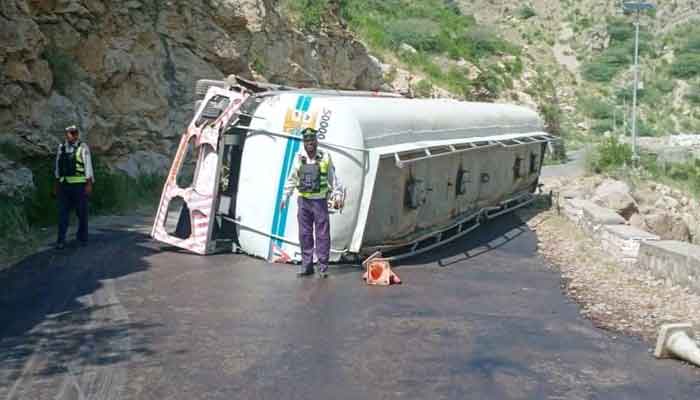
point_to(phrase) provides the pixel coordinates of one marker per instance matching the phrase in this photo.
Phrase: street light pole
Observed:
(635, 155)
(637, 7)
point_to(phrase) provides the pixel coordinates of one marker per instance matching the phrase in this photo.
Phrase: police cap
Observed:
(309, 134)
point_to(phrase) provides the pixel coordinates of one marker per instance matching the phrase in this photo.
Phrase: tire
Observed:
(203, 85)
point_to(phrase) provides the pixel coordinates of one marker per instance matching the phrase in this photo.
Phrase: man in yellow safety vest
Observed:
(74, 179)
(313, 176)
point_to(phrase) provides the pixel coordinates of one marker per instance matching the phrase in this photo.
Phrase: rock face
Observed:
(144, 163)
(124, 71)
(15, 180)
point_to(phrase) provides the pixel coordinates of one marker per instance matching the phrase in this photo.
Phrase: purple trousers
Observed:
(313, 216)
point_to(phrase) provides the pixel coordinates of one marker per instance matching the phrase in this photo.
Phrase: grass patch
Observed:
(614, 157)
(22, 222)
(431, 25)
(525, 12)
(620, 54)
(611, 154)
(308, 14)
(693, 94)
(686, 66)
(684, 176)
(435, 28)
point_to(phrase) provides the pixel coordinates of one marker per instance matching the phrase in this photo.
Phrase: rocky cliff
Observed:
(124, 70)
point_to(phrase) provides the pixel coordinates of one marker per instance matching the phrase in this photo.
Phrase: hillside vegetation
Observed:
(430, 37)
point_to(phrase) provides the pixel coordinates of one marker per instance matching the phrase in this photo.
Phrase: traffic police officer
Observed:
(313, 176)
(74, 179)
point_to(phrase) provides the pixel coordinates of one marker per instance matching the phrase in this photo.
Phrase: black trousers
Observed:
(72, 196)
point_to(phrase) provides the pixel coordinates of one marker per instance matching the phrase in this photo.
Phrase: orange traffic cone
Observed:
(378, 271)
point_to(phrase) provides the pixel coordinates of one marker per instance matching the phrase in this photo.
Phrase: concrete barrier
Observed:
(595, 217)
(573, 210)
(677, 262)
(623, 241)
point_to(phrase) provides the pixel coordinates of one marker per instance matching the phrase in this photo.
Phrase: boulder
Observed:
(668, 226)
(692, 220)
(646, 196)
(597, 215)
(667, 203)
(16, 180)
(615, 195)
(638, 221)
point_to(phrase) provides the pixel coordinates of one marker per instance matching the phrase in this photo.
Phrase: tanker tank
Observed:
(416, 173)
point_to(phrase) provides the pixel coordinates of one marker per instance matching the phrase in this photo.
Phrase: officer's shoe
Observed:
(305, 270)
(323, 272)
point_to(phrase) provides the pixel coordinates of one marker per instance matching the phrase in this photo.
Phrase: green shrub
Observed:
(620, 29)
(525, 12)
(422, 34)
(645, 129)
(607, 65)
(620, 53)
(552, 115)
(665, 86)
(596, 108)
(515, 68)
(683, 175)
(601, 126)
(693, 95)
(21, 222)
(15, 233)
(457, 82)
(686, 66)
(433, 26)
(113, 192)
(310, 13)
(423, 89)
(487, 85)
(610, 154)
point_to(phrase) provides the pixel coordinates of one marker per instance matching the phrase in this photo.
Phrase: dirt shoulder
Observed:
(617, 298)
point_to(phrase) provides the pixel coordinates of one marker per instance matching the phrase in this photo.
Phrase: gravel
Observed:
(615, 297)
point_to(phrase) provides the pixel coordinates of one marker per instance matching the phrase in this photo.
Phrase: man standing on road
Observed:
(313, 176)
(74, 179)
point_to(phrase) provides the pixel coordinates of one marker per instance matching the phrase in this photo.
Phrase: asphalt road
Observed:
(481, 319)
(574, 167)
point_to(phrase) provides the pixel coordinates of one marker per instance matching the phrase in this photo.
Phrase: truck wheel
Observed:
(203, 85)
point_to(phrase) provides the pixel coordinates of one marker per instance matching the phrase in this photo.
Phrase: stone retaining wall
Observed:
(677, 262)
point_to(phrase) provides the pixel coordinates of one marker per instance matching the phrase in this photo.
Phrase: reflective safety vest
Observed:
(313, 178)
(71, 166)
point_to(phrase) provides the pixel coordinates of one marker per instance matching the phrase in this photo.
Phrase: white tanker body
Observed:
(416, 173)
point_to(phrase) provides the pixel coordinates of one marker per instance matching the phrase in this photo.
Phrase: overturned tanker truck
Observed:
(416, 173)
